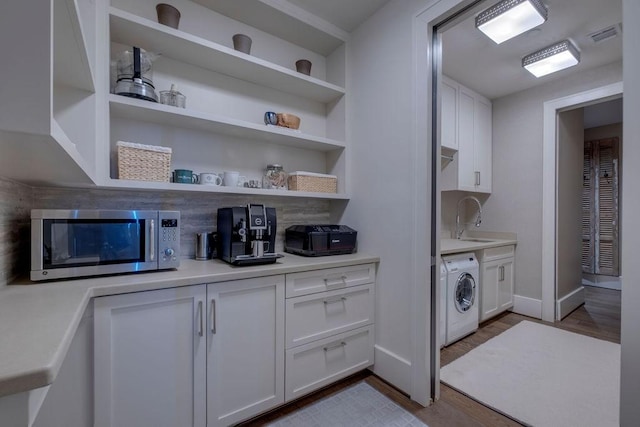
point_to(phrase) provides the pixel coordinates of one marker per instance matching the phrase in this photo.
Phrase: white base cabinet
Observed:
(245, 358)
(496, 281)
(330, 326)
(190, 356)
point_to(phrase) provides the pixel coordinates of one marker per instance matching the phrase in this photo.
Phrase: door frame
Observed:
(550, 181)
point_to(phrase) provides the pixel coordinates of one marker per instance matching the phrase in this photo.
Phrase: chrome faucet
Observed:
(460, 230)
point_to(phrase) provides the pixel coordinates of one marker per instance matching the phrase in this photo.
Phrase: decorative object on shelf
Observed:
(210, 178)
(270, 118)
(173, 97)
(135, 75)
(168, 15)
(253, 183)
(275, 178)
(185, 176)
(233, 179)
(242, 43)
(313, 182)
(303, 66)
(287, 120)
(143, 162)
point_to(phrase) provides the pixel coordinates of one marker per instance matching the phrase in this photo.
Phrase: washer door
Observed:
(465, 292)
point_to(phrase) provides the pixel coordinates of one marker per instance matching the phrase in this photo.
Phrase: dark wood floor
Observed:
(599, 317)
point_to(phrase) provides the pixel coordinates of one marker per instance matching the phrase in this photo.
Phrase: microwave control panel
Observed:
(169, 239)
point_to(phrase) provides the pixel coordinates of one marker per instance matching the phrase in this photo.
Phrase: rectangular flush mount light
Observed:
(509, 18)
(553, 58)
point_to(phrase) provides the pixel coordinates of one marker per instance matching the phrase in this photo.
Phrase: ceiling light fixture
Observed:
(552, 58)
(509, 18)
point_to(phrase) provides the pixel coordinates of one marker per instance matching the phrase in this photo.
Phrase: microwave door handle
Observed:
(152, 240)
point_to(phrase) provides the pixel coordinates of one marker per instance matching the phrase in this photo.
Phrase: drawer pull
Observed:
(213, 316)
(200, 320)
(333, 347)
(331, 301)
(342, 279)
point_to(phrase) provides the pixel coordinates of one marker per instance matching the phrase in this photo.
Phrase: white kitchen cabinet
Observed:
(48, 108)
(203, 355)
(150, 358)
(496, 281)
(245, 349)
(471, 124)
(330, 319)
(228, 92)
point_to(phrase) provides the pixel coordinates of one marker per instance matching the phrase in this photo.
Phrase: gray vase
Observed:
(242, 43)
(168, 15)
(303, 66)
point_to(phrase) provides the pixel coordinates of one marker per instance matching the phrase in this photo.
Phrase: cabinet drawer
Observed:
(314, 365)
(316, 316)
(310, 282)
(497, 253)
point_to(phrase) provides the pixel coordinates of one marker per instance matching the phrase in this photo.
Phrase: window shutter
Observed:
(587, 256)
(608, 208)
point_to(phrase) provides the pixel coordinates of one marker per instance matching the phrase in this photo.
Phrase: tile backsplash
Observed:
(198, 213)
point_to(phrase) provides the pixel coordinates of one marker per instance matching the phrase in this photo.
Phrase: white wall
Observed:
(569, 208)
(390, 186)
(630, 337)
(516, 201)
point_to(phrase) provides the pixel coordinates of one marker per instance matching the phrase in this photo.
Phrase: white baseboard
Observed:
(527, 306)
(392, 368)
(569, 302)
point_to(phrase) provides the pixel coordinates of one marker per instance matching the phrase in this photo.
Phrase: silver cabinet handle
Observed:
(501, 273)
(343, 279)
(333, 347)
(200, 326)
(152, 240)
(213, 316)
(477, 178)
(334, 300)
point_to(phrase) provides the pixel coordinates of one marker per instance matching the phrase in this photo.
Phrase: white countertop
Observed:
(39, 320)
(487, 239)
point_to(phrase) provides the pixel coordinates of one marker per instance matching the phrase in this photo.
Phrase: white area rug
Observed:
(358, 405)
(542, 376)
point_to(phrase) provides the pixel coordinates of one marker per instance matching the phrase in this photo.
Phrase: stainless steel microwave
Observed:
(79, 243)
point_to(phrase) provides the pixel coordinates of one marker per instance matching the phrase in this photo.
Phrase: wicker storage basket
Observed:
(315, 182)
(143, 162)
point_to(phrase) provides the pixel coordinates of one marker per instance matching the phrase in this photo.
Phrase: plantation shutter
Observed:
(600, 248)
(588, 209)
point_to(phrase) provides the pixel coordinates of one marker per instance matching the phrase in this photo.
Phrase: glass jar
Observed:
(274, 178)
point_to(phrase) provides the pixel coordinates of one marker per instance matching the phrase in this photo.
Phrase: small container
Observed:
(173, 97)
(274, 178)
(242, 43)
(168, 15)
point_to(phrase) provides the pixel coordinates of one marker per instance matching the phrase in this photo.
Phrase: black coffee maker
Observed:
(247, 235)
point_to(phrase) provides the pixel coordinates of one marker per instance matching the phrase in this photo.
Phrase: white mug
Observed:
(233, 179)
(210, 178)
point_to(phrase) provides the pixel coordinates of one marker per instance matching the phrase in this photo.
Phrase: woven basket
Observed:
(143, 162)
(314, 182)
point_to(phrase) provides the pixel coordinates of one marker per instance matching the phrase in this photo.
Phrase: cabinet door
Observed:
(245, 349)
(150, 358)
(449, 114)
(489, 275)
(466, 135)
(505, 284)
(482, 145)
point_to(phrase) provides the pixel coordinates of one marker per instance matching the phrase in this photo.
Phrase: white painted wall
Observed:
(569, 207)
(630, 337)
(516, 200)
(390, 185)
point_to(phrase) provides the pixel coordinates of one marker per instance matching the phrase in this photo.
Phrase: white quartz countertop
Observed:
(39, 320)
(477, 241)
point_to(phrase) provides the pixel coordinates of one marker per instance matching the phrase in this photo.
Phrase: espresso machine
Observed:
(247, 235)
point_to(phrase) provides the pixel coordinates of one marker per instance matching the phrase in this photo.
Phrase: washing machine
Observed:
(462, 296)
